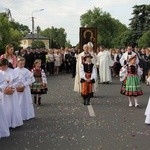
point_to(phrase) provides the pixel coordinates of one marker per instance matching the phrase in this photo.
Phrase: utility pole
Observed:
(32, 28)
(33, 22)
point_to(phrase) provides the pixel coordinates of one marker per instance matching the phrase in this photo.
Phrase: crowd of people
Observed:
(54, 61)
(24, 75)
(131, 65)
(17, 83)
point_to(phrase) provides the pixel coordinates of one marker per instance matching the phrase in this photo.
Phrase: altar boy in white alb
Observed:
(147, 112)
(25, 99)
(4, 129)
(9, 96)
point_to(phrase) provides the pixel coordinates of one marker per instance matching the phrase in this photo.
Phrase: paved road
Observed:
(64, 123)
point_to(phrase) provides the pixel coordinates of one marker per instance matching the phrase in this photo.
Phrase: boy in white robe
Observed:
(147, 111)
(4, 129)
(25, 98)
(10, 97)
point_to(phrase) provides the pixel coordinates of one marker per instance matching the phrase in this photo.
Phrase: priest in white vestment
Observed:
(94, 60)
(77, 84)
(124, 59)
(104, 63)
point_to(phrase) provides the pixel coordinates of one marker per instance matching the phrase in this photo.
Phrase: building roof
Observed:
(29, 36)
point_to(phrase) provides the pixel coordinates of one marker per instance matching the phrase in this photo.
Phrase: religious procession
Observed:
(23, 77)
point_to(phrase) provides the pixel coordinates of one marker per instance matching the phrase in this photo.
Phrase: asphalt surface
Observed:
(63, 123)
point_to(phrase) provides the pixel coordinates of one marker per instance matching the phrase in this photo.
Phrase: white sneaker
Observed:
(130, 105)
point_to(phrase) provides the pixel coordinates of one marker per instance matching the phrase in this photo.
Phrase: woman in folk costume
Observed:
(77, 84)
(130, 75)
(10, 97)
(24, 93)
(88, 77)
(147, 111)
(38, 87)
(4, 129)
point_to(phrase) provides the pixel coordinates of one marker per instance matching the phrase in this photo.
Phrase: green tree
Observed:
(11, 32)
(108, 27)
(38, 30)
(4, 32)
(140, 23)
(20, 27)
(144, 40)
(68, 44)
(16, 37)
(38, 44)
(123, 39)
(57, 36)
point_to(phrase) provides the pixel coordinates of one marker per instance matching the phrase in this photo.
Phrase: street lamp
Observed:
(33, 22)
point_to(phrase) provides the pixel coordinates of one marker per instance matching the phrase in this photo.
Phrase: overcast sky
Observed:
(66, 13)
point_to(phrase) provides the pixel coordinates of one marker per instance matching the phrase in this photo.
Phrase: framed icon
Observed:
(88, 35)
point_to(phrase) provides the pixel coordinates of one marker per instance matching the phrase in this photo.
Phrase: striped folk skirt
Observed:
(131, 86)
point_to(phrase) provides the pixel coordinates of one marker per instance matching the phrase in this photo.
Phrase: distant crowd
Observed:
(55, 61)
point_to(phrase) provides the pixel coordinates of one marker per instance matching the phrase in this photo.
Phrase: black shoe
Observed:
(84, 101)
(39, 101)
(88, 101)
(35, 101)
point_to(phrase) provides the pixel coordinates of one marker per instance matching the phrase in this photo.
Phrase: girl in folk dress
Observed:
(147, 111)
(88, 77)
(10, 97)
(40, 85)
(130, 75)
(4, 129)
(25, 99)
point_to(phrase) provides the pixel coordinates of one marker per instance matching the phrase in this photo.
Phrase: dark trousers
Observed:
(50, 67)
(73, 70)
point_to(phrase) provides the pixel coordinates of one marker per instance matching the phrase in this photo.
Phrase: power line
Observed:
(13, 4)
(14, 9)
